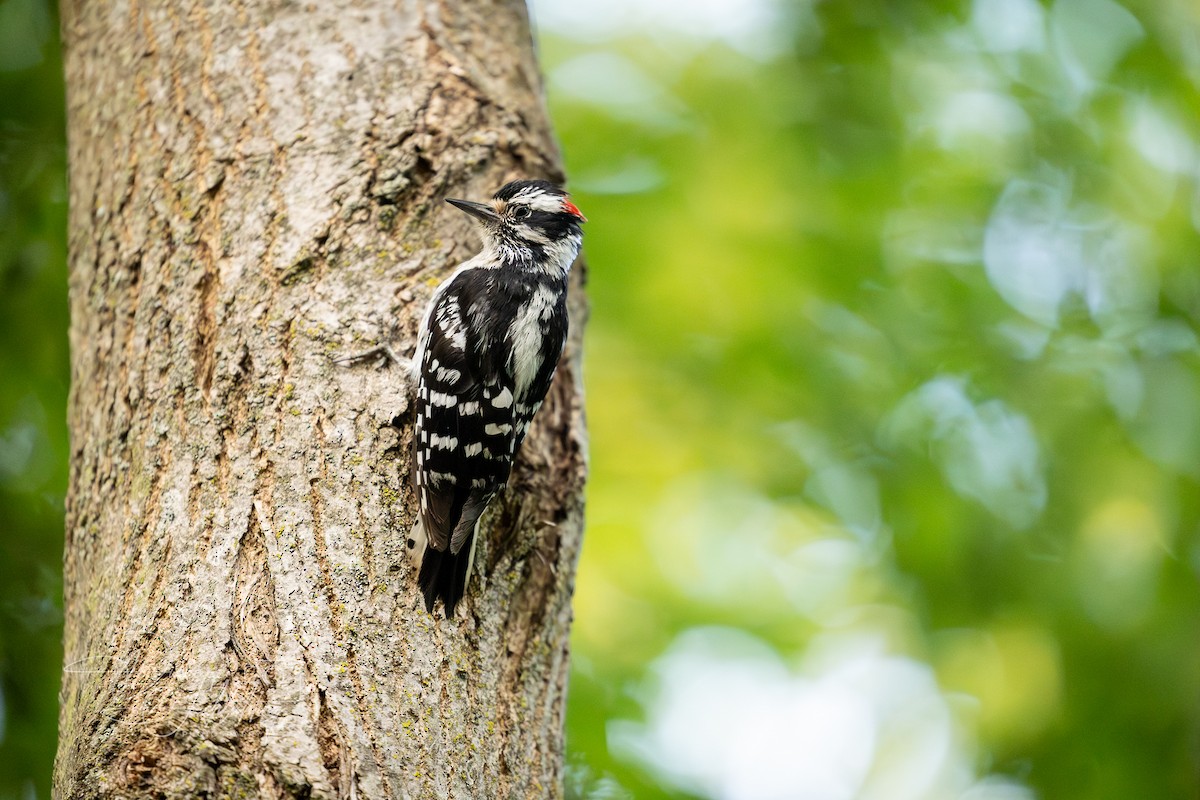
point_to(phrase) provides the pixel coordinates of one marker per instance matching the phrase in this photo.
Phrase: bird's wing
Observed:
(464, 421)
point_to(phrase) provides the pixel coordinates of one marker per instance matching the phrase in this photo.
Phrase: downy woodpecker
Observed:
(487, 349)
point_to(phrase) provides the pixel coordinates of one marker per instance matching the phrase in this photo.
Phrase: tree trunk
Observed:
(256, 186)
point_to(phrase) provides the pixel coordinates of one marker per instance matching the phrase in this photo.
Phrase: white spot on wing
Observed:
(449, 319)
(503, 400)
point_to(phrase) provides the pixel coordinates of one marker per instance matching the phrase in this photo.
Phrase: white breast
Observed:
(526, 337)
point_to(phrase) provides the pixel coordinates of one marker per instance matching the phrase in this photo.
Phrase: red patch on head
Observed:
(571, 208)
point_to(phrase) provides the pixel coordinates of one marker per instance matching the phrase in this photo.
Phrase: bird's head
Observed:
(530, 222)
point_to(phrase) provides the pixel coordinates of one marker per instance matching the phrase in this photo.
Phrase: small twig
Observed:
(381, 352)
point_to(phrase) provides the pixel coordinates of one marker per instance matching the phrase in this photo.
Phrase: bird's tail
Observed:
(444, 576)
(444, 573)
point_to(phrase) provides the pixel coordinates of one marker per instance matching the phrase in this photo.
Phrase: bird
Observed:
(487, 349)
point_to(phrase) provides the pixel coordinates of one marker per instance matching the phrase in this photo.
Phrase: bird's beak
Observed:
(479, 211)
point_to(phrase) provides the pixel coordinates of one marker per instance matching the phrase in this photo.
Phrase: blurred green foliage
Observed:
(893, 386)
(894, 334)
(34, 375)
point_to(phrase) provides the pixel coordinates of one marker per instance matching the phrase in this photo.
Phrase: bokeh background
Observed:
(894, 395)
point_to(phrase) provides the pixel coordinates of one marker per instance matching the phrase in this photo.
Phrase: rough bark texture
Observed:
(255, 186)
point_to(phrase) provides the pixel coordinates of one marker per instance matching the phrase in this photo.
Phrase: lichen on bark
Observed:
(256, 187)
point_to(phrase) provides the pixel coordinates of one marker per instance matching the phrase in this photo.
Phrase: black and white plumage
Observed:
(487, 350)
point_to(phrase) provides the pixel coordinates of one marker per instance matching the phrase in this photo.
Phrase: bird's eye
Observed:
(521, 212)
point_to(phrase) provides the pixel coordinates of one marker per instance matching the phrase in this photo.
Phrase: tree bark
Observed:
(256, 186)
